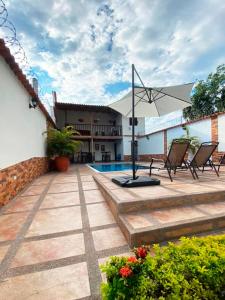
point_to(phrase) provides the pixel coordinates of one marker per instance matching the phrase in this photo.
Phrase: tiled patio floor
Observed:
(53, 237)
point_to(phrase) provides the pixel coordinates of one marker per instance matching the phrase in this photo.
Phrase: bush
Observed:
(194, 268)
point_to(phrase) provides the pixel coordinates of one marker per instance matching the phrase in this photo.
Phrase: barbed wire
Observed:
(9, 34)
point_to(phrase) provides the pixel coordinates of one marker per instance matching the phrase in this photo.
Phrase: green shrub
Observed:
(194, 268)
(61, 142)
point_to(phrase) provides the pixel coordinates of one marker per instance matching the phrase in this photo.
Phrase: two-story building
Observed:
(105, 133)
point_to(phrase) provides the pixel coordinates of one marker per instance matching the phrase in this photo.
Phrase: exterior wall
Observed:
(207, 129)
(21, 128)
(139, 129)
(22, 151)
(109, 147)
(16, 177)
(153, 144)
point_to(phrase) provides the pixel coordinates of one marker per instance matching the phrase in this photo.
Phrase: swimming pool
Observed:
(114, 167)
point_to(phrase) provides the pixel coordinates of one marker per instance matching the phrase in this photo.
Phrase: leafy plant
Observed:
(194, 140)
(208, 96)
(61, 142)
(194, 268)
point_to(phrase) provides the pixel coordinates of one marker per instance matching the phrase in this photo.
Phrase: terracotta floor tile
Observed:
(42, 180)
(108, 238)
(34, 190)
(93, 196)
(102, 178)
(153, 191)
(63, 187)
(55, 220)
(50, 249)
(3, 250)
(61, 199)
(214, 208)
(176, 214)
(65, 179)
(64, 283)
(123, 195)
(137, 221)
(10, 225)
(87, 178)
(110, 185)
(89, 185)
(24, 203)
(99, 214)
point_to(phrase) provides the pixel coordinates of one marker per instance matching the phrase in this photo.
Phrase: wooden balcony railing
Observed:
(98, 130)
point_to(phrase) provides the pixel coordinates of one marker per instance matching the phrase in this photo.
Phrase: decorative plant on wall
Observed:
(61, 145)
(194, 140)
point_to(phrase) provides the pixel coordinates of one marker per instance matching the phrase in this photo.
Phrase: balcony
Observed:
(98, 131)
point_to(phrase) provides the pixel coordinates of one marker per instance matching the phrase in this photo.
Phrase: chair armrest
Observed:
(157, 160)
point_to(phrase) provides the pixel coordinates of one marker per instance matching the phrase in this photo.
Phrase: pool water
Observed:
(114, 167)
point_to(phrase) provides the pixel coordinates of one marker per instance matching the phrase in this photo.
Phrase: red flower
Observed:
(132, 259)
(125, 272)
(141, 252)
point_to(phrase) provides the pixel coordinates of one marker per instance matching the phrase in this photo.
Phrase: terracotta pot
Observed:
(62, 163)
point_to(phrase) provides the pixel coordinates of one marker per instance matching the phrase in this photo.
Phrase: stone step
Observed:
(158, 225)
(122, 201)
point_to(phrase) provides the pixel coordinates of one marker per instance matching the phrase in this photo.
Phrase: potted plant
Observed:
(61, 145)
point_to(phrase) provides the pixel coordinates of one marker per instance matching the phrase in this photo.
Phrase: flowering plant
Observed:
(191, 269)
(141, 252)
(125, 272)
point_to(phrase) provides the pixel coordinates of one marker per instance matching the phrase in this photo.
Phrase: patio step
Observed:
(159, 225)
(166, 212)
(122, 200)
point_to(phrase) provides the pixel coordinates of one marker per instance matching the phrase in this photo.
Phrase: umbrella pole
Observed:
(133, 127)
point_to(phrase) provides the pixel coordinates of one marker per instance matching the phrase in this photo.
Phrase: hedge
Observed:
(194, 268)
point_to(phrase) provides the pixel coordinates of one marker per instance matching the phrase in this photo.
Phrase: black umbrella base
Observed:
(128, 181)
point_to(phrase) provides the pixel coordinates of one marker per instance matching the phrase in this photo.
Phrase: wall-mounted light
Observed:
(33, 103)
(147, 137)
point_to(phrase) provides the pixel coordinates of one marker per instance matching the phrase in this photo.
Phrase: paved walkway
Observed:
(53, 237)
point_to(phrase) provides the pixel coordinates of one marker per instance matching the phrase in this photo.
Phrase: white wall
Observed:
(139, 129)
(221, 132)
(109, 147)
(201, 129)
(126, 145)
(21, 128)
(174, 133)
(153, 144)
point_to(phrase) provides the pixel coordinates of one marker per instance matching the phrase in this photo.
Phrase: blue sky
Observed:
(84, 49)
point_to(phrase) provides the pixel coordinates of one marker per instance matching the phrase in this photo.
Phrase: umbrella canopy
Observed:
(154, 102)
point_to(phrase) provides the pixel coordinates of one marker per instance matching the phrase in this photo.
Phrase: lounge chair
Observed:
(202, 159)
(221, 162)
(175, 158)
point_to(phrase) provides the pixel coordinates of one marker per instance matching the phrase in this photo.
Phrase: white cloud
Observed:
(85, 45)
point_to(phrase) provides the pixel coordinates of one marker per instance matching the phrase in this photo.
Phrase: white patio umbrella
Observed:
(154, 102)
(144, 101)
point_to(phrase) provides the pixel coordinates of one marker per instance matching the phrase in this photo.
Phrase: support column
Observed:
(214, 133)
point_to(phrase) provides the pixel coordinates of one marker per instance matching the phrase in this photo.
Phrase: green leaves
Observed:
(61, 142)
(194, 268)
(209, 96)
